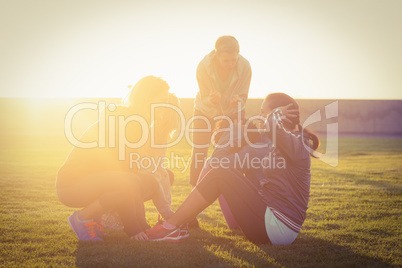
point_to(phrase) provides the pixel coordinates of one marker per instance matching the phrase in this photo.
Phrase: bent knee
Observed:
(223, 173)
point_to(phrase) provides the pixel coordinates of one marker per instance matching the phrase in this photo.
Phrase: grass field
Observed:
(354, 219)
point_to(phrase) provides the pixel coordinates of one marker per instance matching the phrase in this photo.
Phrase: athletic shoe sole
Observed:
(71, 225)
(178, 238)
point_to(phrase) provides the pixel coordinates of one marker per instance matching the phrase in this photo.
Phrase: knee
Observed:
(220, 173)
(214, 173)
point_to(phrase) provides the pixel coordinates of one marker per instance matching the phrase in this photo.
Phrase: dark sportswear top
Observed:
(280, 171)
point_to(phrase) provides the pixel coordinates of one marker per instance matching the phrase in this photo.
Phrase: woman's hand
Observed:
(288, 113)
(140, 236)
(215, 97)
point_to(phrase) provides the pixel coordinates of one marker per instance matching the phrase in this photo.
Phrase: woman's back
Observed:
(83, 161)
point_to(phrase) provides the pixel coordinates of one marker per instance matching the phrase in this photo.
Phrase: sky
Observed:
(338, 49)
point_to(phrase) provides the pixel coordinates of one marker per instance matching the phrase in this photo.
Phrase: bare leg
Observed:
(191, 207)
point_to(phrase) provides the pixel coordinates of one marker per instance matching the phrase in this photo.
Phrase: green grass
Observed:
(354, 217)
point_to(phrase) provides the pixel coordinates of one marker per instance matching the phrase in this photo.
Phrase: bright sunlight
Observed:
(308, 50)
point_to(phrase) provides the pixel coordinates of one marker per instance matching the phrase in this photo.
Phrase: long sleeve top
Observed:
(280, 172)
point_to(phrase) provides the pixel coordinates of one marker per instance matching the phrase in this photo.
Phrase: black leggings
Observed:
(243, 199)
(122, 192)
(199, 155)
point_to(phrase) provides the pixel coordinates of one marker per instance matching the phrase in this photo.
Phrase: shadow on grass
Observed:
(119, 251)
(375, 180)
(204, 249)
(309, 251)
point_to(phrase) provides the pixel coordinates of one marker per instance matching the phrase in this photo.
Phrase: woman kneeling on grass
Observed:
(104, 178)
(273, 209)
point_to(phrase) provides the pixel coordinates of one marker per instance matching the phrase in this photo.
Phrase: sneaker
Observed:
(160, 233)
(85, 230)
(183, 231)
(99, 226)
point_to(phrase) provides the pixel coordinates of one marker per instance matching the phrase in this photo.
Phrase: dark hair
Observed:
(227, 44)
(275, 100)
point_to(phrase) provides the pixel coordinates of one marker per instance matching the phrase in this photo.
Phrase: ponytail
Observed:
(275, 100)
(311, 136)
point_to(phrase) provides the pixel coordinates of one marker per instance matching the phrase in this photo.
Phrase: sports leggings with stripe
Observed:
(243, 199)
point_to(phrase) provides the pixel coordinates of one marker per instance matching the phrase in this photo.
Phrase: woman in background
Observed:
(223, 78)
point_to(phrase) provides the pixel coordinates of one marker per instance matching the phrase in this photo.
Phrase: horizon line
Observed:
(184, 98)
